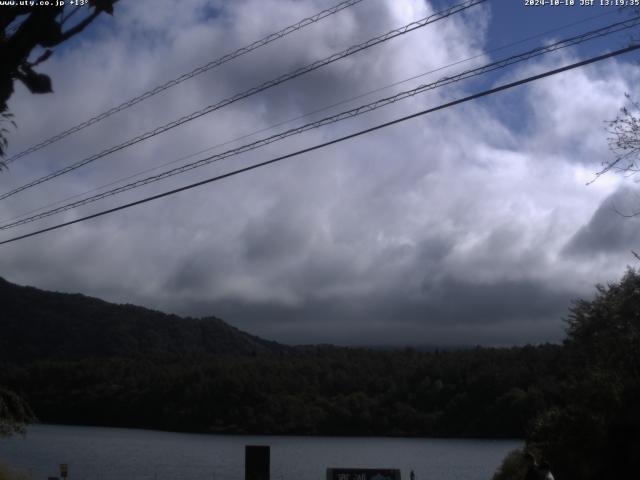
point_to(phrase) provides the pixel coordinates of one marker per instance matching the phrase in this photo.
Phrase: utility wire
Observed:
(197, 71)
(271, 83)
(308, 114)
(500, 64)
(335, 141)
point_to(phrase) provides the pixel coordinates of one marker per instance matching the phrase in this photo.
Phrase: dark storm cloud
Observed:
(459, 302)
(610, 230)
(447, 229)
(332, 300)
(273, 236)
(510, 311)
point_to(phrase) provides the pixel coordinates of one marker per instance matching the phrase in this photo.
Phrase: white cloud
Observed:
(379, 231)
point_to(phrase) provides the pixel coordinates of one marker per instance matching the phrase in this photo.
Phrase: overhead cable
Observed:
(197, 71)
(308, 114)
(332, 142)
(252, 91)
(354, 112)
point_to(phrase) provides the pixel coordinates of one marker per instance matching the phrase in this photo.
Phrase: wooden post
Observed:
(257, 462)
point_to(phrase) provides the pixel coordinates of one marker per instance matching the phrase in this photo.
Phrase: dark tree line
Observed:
(576, 404)
(78, 359)
(321, 390)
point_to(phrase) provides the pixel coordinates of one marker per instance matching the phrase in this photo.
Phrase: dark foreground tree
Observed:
(24, 29)
(594, 432)
(624, 130)
(14, 413)
(514, 467)
(624, 139)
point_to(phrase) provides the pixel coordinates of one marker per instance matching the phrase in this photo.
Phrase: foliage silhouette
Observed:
(25, 29)
(593, 431)
(82, 360)
(14, 413)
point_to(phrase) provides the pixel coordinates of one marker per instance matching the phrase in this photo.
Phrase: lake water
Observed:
(125, 454)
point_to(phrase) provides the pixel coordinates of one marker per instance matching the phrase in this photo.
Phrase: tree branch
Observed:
(78, 27)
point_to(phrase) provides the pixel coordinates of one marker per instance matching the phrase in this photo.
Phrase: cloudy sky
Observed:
(472, 225)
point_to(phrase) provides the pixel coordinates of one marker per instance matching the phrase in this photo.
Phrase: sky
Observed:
(471, 225)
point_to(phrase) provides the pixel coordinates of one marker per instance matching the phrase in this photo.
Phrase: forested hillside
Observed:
(324, 390)
(81, 360)
(36, 324)
(84, 361)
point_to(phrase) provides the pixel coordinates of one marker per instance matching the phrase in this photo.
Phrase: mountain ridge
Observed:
(37, 323)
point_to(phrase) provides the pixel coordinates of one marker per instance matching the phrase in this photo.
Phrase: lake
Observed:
(125, 454)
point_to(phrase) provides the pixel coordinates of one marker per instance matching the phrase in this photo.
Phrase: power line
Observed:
(271, 83)
(305, 115)
(197, 71)
(575, 40)
(331, 142)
